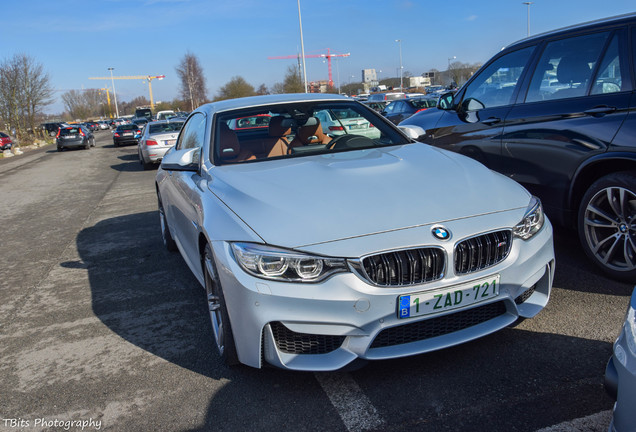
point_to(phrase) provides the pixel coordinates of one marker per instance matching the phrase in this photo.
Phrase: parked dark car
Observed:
(402, 109)
(52, 127)
(376, 105)
(5, 141)
(555, 113)
(74, 136)
(126, 134)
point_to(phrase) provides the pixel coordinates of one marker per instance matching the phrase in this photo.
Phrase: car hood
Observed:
(315, 199)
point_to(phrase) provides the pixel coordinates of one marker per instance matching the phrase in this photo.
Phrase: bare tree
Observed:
(192, 80)
(24, 90)
(292, 82)
(83, 104)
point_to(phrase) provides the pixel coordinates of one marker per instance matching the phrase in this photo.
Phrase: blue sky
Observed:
(78, 39)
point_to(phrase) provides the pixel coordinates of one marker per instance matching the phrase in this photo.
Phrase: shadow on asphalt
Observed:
(145, 294)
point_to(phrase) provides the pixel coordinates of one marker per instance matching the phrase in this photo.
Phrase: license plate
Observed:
(456, 297)
(356, 126)
(70, 136)
(171, 142)
(127, 134)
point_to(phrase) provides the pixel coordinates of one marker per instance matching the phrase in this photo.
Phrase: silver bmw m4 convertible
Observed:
(318, 247)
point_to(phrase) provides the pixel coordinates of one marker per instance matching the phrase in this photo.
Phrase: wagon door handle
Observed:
(600, 110)
(491, 121)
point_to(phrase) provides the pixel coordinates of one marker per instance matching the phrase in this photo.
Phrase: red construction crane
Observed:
(327, 56)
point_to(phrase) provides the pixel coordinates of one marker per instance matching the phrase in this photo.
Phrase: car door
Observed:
(186, 191)
(475, 123)
(394, 111)
(577, 98)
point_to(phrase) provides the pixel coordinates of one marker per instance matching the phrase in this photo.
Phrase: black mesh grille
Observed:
(433, 327)
(405, 267)
(301, 343)
(478, 253)
(525, 295)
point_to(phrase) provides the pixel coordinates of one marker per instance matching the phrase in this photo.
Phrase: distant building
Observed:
(369, 77)
(418, 81)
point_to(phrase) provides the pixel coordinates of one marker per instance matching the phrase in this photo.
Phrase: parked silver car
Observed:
(317, 250)
(620, 375)
(156, 138)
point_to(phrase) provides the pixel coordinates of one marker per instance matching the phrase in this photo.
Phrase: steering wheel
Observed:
(349, 141)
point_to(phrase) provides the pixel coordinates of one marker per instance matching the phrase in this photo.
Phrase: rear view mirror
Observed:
(182, 160)
(445, 101)
(413, 132)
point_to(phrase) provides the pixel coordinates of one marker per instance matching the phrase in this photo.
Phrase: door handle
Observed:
(491, 121)
(600, 110)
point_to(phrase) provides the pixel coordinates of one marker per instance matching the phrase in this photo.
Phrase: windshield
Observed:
(299, 129)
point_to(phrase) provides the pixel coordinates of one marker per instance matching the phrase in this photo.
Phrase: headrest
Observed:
(311, 131)
(573, 69)
(229, 146)
(279, 126)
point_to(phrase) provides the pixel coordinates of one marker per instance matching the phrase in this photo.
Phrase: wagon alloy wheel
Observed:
(609, 225)
(219, 317)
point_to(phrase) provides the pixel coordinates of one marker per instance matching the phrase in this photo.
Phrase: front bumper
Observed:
(327, 325)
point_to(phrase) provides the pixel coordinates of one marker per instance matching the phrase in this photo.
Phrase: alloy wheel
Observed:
(214, 304)
(610, 228)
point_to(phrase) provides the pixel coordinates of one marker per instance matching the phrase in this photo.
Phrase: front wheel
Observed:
(221, 328)
(607, 224)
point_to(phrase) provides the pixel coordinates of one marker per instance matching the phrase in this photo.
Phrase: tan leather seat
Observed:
(279, 130)
(310, 133)
(230, 147)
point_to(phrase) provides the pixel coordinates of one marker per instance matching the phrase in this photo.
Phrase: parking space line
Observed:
(354, 407)
(598, 422)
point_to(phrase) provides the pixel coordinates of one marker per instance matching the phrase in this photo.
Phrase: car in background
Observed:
(571, 144)
(435, 90)
(74, 136)
(386, 97)
(259, 121)
(103, 124)
(402, 109)
(156, 138)
(143, 112)
(334, 242)
(165, 114)
(620, 374)
(140, 122)
(376, 105)
(126, 134)
(51, 128)
(346, 121)
(5, 142)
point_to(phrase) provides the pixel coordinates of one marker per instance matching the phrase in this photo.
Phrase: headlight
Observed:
(284, 265)
(532, 221)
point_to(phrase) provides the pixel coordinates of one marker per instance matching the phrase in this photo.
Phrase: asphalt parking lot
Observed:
(102, 328)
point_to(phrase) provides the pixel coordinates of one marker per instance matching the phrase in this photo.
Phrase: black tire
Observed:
(607, 224)
(168, 241)
(60, 149)
(219, 318)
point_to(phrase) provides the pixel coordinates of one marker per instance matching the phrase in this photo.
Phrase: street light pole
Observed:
(528, 3)
(114, 91)
(302, 46)
(399, 41)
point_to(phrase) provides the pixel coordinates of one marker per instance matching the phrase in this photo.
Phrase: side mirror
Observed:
(445, 101)
(413, 132)
(182, 160)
